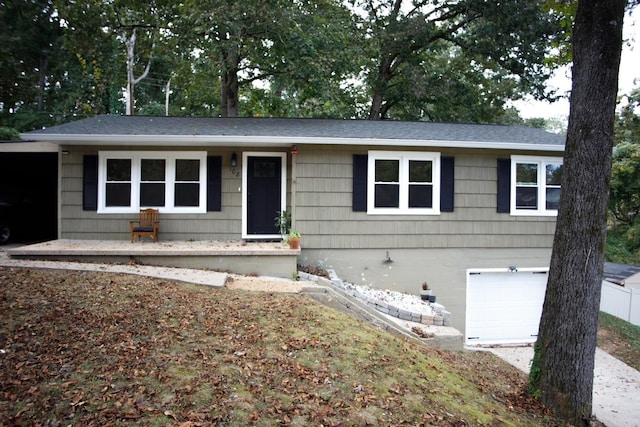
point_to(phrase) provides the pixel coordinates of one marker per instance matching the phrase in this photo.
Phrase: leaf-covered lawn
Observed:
(84, 348)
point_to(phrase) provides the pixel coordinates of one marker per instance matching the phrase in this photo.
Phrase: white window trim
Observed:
(136, 157)
(403, 157)
(541, 162)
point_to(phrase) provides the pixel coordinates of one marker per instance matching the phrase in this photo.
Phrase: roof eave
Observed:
(277, 141)
(29, 147)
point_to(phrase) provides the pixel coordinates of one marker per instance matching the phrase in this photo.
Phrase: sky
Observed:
(629, 71)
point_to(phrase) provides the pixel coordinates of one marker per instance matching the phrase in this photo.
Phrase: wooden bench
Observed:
(148, 224)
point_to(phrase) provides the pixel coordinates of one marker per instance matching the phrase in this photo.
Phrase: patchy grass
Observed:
(92, 349)
(620, 339)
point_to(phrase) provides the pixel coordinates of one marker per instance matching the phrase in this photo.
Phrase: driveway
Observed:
(616, 386)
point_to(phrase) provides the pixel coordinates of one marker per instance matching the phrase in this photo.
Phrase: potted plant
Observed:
(425, 292)
(283, 223)
(294, 239)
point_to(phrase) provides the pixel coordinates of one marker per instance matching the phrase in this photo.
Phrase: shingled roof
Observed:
(148, 130)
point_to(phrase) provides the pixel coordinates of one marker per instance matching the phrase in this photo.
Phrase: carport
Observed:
(30, 170)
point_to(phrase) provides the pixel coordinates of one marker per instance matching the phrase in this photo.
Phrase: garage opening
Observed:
(504, 305)
(28, 196)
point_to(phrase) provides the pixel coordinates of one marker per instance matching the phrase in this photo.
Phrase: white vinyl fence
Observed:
(621, 302)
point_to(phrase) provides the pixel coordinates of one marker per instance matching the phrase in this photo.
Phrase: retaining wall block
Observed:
(404, 315)
(427, 319)
(437, 307)
(338, 284)
(382, 303)
(438, 320)
(306, 276)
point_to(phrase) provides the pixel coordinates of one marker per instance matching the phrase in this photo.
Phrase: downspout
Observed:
(61, 152)
(294, 178)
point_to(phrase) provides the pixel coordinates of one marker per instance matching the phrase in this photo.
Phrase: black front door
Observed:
(264, 194)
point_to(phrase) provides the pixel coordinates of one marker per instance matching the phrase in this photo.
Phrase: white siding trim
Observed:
(540, 161)
(403, 157)
(280, 141)
(135, 157)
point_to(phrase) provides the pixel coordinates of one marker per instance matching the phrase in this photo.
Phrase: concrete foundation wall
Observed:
(405, 269)
(259, 265)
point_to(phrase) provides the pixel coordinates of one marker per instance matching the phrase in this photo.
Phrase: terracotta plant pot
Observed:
(294, 243)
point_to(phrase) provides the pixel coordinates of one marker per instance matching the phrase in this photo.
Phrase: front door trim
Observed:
(283, 190)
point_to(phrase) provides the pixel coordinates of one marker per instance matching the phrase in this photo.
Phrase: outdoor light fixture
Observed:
(234, 160)
(294, 149)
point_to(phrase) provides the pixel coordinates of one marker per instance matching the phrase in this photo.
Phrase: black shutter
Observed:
(359, 195)
(504, 185)
(214, 183)
(446, 183)
(90, 183)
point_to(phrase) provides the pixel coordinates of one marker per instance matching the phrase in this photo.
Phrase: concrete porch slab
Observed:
(255, 258)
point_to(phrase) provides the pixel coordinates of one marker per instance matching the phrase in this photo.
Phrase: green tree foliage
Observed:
(9, 134)
(623, 238)
(29, 58)
(422, 60)
(624, 197)
(628, 121)
(295, 50)
(126, 38)
(482, 50)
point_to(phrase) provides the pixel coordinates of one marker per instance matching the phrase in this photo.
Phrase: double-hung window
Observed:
(535, 185)
(403, 183)
(174, 182)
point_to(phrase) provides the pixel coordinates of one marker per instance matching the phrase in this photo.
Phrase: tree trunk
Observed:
(385, 74)
(562, 371)
(132, 81)
(375, 112)
(229, 81)
(130, 44)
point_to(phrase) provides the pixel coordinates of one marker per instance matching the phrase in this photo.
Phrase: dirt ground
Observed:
(264, 284)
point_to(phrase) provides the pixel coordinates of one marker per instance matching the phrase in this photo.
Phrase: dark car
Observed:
(18, 211)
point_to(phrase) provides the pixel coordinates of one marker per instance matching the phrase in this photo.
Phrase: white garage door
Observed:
(504, 306)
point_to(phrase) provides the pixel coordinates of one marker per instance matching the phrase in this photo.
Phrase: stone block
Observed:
(382, 303)
(404, 315)
(382, 309)
(437, 307)
(438, 320)
(427, 319)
